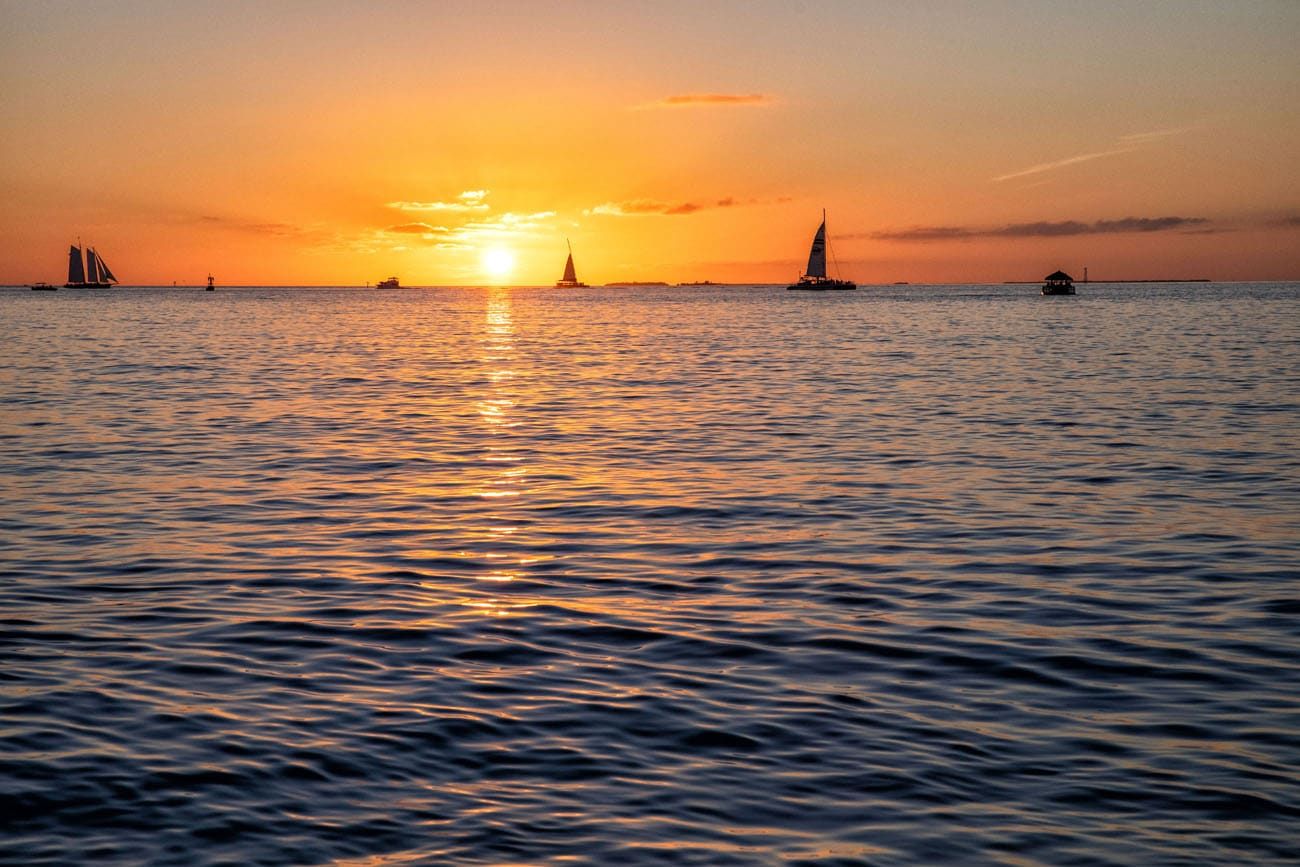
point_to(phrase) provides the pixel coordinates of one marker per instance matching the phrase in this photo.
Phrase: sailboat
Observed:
(815, 277)
(570, 278)
(94, 274)
(210, 287)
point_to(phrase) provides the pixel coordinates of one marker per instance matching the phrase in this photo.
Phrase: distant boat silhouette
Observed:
(815, 278)
(390, 283)
(94, 274)
(44, 287)
(1058, 283)
(210, 287)
(570, 278)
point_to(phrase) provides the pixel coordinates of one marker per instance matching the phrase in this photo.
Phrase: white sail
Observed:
(92, 266)
(817, 256)
(76, 271)
(104, 274)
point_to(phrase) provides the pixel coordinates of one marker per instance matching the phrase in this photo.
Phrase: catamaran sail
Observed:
(815, 277)
(817, 255)
(76, 271)
(570, 278)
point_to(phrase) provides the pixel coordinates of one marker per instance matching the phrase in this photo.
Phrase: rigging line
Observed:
(838, 275)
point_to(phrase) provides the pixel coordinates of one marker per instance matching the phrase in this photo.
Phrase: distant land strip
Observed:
(1108, 280)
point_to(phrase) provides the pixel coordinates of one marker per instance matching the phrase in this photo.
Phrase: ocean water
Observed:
(705, 576)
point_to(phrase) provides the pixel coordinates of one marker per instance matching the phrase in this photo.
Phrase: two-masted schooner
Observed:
(94, 274)
(570, 278)
(815, 277)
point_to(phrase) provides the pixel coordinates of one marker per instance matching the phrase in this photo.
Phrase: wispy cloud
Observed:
(1065, 228)
(415, 229)
(1068, 161)
(316, 236)
(653, 208)
(693, 100)
(476, 228)
(1157, 134)
(258, 227)
(1123, 144)
(468, 201)
(505, 226)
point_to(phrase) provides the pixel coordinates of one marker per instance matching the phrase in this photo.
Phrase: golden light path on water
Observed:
(497, 355)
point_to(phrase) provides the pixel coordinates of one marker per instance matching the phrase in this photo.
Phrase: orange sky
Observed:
(338, 143)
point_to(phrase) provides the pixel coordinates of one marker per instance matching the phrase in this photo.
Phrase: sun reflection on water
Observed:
(495, 408)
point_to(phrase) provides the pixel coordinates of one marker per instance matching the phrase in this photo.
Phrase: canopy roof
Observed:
(1059, 275)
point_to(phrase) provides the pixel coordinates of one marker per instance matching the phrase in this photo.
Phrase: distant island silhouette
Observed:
(1173, 280)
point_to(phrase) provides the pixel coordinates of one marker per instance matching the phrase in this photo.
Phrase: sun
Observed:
(498, 262)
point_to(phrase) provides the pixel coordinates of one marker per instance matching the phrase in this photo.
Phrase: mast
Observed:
(76, 271)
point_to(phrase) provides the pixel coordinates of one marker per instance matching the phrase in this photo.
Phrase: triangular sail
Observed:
(817, 256)
(570, 276)
(92, 266)
(76, 271)
(104, 274)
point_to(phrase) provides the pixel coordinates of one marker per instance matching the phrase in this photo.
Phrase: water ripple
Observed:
(698, 577)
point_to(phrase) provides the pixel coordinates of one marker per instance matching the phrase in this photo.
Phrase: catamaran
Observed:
(570, 278)
(815, 277)
(94, 274)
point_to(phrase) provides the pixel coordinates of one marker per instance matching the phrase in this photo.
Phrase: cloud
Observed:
(1068, 161)
(690, 100)
(475, 230)
(254, 227)
(1065, 228)
(1145, 224)
(470, 200)
(316, 236)
(505, 226)
(416, 229)
(917, 233)
(1123, 144)
(1156, 134)
(653, 208)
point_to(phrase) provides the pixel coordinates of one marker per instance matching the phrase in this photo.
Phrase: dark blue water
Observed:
(915, 575)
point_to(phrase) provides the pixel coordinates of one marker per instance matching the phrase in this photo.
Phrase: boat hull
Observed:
(87, 285)
(1058, 290)
(44, 287)
(822, 286)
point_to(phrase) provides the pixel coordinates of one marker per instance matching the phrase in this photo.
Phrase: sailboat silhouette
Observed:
(94, 274)
(815, 277)
(570, 278)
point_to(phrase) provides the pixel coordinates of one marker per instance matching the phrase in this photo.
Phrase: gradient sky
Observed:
(340, 142)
